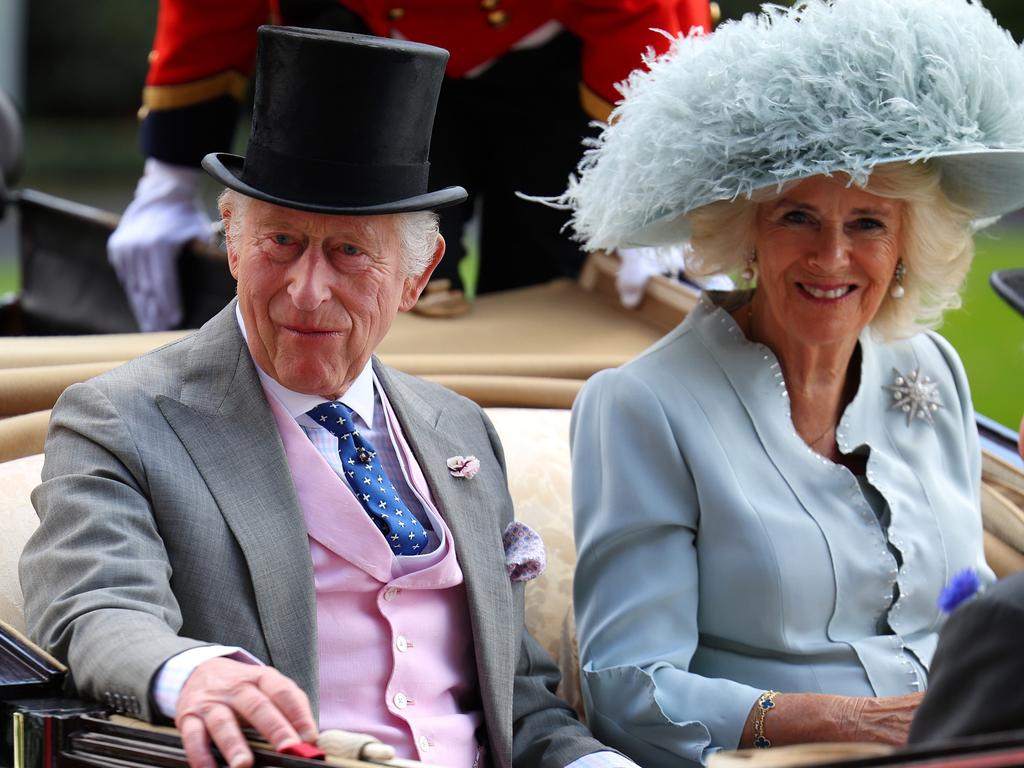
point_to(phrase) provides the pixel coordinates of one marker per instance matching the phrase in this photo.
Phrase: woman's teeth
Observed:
(832, 293)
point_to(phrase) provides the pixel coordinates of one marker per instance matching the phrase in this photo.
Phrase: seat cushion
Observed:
(536, 443)
(17, 522)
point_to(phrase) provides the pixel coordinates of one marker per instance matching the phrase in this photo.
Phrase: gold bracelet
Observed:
(765, 702)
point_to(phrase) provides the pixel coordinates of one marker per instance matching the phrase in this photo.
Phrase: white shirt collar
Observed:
(358, 397)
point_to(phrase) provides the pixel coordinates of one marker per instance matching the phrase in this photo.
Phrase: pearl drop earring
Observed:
(749, 273)
(897, 290)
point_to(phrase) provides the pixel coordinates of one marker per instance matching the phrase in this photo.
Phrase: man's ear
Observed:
(414, 285)
(225, 216)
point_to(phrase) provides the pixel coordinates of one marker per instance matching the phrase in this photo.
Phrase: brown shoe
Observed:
(441, 300)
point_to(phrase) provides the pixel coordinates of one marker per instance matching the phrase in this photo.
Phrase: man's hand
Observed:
(641, 264)
(163, 216)
(222, 692)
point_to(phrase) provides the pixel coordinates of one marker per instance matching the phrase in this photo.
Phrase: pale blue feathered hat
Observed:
(826, 87)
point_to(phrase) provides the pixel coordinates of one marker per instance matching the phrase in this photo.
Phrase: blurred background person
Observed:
(974, 687)
(770, 499)
(524, 80)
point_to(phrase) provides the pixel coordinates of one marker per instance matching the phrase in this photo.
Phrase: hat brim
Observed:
(227, 169)
(987, 182)
(1009, 284)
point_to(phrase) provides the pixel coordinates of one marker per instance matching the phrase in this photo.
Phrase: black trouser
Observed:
(517, 127)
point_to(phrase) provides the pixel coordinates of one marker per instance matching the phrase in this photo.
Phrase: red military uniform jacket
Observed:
(204, 49)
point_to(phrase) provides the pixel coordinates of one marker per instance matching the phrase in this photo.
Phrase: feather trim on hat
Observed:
(826, 87)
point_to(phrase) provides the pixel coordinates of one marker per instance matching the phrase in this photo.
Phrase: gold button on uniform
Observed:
(396, 13)
(489, 5)
(497, 18)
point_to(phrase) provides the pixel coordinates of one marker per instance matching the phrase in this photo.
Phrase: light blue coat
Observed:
(719, 557)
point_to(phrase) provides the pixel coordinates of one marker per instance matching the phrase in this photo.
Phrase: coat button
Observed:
(497, 18)
(401, 700)
(489, 5)
(395, 14)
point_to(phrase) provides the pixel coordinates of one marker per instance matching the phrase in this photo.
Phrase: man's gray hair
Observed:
(417, 230)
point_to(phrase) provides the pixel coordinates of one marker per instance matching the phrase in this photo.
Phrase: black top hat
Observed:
(341, 124)
(1009, 284)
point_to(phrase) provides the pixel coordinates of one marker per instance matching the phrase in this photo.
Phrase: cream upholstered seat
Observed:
(17, 521)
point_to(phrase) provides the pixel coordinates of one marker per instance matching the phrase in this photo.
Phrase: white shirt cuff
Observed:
(602, 760)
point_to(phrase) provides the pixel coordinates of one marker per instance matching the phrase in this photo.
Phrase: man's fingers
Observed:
(262, 713)
(220, 693)
(292, 702)
(222, 726)
(196, 742)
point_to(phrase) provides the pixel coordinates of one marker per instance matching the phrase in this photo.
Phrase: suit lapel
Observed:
(466, 506)
(224, 422)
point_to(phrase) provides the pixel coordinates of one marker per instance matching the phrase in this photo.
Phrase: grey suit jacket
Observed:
(169, 520)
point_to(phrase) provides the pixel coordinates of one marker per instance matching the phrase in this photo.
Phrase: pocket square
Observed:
(525, 558)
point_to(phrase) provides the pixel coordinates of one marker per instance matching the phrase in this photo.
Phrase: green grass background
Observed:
(988, 334)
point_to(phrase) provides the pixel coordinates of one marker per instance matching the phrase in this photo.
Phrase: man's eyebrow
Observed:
(275, 221)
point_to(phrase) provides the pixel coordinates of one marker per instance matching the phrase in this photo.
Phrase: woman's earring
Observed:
(897, 280)
(749, 273)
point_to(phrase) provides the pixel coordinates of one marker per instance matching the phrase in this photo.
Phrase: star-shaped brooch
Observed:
(915, 395)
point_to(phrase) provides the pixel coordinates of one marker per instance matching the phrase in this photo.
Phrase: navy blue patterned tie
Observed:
(370, 482)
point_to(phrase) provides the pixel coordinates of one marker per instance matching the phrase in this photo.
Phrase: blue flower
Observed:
(960, 587)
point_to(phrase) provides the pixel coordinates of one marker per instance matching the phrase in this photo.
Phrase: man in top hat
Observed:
(525, 79)
(260, 522)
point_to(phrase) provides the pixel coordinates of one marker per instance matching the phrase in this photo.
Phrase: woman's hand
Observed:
(884, 720)
(799, 718)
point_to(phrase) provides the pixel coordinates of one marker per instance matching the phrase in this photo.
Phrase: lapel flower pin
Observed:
(463, 466)
(962, 586)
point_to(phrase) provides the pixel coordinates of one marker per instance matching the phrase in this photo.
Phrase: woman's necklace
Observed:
(819, 438)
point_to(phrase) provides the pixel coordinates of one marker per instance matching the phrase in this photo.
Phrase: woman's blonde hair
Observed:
(937, 244)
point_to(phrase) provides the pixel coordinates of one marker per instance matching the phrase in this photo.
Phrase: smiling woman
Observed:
(936, 244)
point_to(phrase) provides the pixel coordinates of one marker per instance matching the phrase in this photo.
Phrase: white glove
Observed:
(641, 264)
(712, 282)
(164, 215)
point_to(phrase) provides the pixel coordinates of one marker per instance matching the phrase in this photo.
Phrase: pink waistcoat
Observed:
(396, 648)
